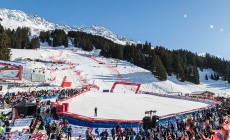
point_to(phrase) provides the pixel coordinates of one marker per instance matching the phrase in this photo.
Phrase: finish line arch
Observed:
(126, 83)
(8, 68)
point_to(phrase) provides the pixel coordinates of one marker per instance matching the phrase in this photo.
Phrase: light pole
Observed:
(150, 120)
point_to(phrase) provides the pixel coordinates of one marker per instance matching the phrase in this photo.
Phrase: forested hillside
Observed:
(18, 39)
(159, 60)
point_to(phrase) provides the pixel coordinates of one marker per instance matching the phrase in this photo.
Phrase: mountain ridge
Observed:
(16, 18)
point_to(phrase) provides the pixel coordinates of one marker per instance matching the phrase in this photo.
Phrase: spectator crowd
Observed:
(210, 123)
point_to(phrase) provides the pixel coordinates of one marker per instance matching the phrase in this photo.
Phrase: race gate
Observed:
(126, 83)
(10, 71)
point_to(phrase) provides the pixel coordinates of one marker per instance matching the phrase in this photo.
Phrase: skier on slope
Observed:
(95, 111)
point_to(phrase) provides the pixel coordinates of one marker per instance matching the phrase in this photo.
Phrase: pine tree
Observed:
(229, 77)
(152, 63)
(119, 52)
(217, 77)
(65, 41)
(168, 65)
(212, 77)
(59, 38)
(34, 43)
(4, 46)
(180, 73)
(1, 28)
(206, 77)
(160, 70)
(195, 76)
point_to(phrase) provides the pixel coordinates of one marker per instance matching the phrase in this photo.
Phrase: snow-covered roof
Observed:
(12, 63)
(201, 92)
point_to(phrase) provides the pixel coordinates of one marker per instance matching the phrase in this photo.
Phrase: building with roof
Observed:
(206, 94)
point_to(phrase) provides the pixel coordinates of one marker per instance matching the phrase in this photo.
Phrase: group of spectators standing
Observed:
(10, 99)
(45, 113)
(207, 124)
(195, 126)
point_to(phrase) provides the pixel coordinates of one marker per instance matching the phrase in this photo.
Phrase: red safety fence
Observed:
(70, 67)
(11, 67)
(126, 83)
(110, 66)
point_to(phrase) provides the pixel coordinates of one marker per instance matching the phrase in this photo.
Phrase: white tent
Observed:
(3, 88)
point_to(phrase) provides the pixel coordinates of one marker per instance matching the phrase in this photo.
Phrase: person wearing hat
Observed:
(80, 138)
(7, 123)
(87, 133)
(69, 132)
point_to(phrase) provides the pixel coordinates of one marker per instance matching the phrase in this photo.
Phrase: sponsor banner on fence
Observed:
(37, 78)
(9, 74)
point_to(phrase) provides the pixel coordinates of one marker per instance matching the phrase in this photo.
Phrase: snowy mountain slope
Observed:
(136, 74)
(15, 18)
(104, 75)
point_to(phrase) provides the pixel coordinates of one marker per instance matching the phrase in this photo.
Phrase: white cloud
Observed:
(221, 29)
(185, 15)
(211, 26)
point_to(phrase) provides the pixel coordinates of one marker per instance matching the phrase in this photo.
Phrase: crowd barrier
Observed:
(99, 123)
(47, 97)
(110, 66)
(206, 101)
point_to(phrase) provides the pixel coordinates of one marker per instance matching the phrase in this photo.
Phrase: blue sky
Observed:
(196, 25)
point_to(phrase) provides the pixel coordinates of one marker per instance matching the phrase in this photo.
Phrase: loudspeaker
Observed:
(147, 122)
(155, 119)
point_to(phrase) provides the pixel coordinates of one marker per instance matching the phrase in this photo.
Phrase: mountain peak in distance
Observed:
(15, 18)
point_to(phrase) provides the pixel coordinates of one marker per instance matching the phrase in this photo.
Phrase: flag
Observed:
(218, 135)
(226, 126)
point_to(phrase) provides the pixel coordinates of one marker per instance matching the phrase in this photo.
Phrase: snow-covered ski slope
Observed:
(86, 69)
(128, 106)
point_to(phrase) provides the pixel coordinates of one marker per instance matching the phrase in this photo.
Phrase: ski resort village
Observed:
(88, 83)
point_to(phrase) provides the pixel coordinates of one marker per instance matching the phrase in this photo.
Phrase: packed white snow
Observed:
(104, 76)
(128, 106)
